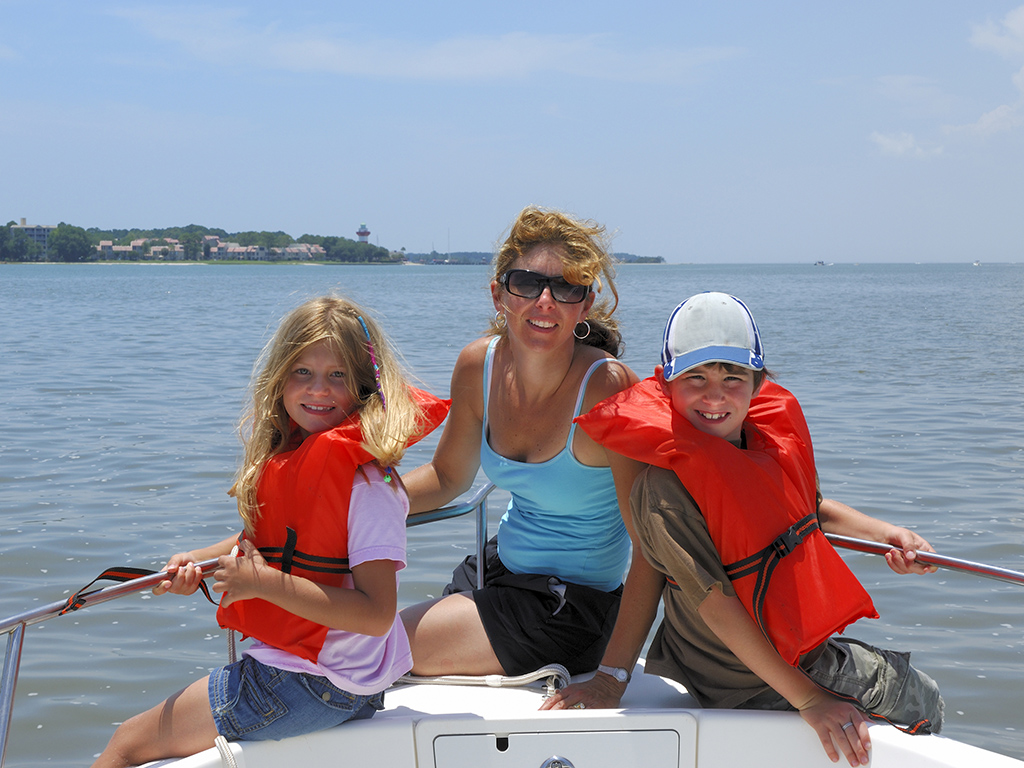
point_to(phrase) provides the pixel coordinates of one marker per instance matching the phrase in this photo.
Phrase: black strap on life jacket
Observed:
(288, 557)
(121, 575)
(764, 563)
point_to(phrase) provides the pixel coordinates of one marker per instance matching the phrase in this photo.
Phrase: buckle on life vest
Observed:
(791, 539)
(787, 542)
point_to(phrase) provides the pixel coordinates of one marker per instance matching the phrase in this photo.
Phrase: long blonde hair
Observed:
(586, 259)
(266, 430)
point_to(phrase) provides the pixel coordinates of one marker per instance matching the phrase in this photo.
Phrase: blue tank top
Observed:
(563, 519)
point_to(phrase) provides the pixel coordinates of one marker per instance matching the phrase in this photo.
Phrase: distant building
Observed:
(363, 233)
(40, 234)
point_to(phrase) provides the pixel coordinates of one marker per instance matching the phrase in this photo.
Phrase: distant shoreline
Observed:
(292, 262)
(215, 263)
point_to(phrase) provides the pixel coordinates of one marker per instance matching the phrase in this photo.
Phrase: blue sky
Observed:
(705, 131)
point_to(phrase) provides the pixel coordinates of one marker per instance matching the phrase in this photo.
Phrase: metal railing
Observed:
(14, 626)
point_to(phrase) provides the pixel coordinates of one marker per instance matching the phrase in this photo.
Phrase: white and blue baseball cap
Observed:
(710, 328)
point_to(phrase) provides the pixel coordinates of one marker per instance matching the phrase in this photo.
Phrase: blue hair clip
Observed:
(376, 376)
(373, 359)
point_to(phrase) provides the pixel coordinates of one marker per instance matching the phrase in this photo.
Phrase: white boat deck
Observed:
(658, 726)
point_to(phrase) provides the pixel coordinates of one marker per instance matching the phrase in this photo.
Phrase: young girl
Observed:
(314, 580)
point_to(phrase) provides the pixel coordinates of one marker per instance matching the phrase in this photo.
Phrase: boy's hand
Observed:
(906, 561)
(838, 724)
(600, 692)
(184, 576)
(238, 578)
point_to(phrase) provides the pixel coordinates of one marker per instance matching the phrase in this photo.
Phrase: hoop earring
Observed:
(585, 333)
(499, 320)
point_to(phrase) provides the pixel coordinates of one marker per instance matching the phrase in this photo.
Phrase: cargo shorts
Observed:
(882, 683)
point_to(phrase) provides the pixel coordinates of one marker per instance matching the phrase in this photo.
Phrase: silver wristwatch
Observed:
(620, 674)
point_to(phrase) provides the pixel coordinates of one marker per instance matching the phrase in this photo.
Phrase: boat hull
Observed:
(658, 726)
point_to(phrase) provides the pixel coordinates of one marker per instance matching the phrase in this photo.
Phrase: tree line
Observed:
(75, 244)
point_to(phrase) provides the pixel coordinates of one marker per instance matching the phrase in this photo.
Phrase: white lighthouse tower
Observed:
(363, 233)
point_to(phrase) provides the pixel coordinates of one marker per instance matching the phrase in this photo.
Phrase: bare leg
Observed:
(448, 638)
(180, 726)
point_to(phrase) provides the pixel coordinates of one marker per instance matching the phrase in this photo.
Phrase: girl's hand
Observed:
(238, 578)
(184, 576)
(906, 561)
(838, 724)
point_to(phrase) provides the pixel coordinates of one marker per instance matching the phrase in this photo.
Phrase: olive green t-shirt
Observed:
(674, 539)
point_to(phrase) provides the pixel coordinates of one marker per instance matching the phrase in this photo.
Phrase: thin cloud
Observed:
(1007, 117)
(902, 145)
(1005, 38)
(7, 53)
(919, 96)
(224, 38)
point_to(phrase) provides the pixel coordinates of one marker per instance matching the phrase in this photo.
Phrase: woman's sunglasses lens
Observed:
(568, 293)
(529, 286)
(524, 284)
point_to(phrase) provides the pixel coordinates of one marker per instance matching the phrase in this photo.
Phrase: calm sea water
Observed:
(120, 387)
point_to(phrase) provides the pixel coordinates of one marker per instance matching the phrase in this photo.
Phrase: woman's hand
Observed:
(600, 692)
(238, 578)
(838, 724)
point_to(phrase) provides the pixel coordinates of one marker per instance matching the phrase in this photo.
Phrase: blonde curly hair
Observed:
(586, 260)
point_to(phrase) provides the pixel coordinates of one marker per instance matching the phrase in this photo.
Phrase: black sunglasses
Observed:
(530, 285)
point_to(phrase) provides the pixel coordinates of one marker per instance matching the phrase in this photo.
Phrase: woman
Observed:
(554, 571)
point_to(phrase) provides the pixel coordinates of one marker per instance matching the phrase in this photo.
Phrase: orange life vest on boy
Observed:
(759, 503)
(302, 529)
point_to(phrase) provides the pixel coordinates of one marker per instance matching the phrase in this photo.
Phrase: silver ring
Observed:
(848, 725)
(579, 705)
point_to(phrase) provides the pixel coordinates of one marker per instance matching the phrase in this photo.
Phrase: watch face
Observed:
(617, 672)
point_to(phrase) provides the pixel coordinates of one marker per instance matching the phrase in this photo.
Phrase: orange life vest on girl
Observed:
(759, 503)
(303, 498)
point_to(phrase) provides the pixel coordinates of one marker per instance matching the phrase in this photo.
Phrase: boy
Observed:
(735, 640)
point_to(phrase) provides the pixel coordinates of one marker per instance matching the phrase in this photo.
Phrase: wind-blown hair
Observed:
(266, 429)
(586, 259)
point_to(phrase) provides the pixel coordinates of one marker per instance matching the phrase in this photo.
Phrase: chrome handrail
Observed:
(15, 625)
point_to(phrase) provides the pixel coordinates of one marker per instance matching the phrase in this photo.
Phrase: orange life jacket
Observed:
(303, 498)
(759, 503)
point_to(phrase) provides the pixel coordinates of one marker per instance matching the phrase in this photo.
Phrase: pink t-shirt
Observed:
(357, 663)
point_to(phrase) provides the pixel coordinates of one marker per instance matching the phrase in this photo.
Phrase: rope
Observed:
(557, 678)
(227, 758)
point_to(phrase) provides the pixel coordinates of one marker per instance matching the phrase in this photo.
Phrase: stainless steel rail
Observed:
(931, 558)
(14, 626)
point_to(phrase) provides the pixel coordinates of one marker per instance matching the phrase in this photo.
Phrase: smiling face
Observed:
(713, 397)
(540, 321)
(316, 394)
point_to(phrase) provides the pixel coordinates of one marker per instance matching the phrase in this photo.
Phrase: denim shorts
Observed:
(253, 701)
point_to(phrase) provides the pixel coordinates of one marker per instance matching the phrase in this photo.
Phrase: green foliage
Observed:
(192, 242)
(69, 243)
(343, 249)
(125, 236)
(629, 258)
(265, 239)
(15, 245)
